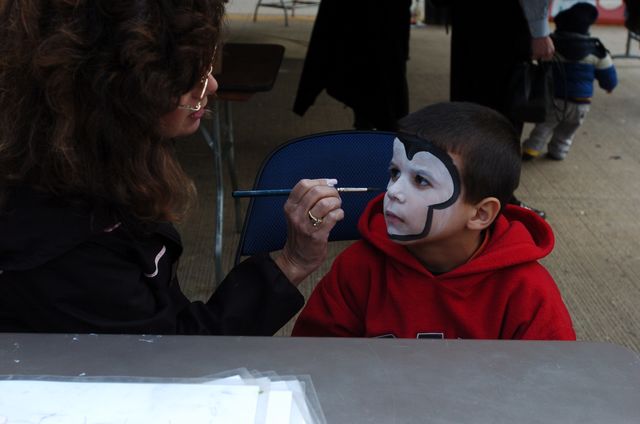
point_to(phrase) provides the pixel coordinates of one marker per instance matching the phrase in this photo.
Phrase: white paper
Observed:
(299, 410)
(279, 407)
(114, 403)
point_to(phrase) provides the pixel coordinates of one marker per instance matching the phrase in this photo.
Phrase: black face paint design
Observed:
(414, 145)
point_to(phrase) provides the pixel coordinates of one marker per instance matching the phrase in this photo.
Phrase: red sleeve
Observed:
(536, 310)
(335, 305)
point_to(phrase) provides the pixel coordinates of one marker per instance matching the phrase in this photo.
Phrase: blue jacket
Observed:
(584, 59)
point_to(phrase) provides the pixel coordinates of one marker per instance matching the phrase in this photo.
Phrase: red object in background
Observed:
(610, 12)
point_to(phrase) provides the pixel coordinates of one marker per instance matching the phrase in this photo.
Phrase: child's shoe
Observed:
(529, 154)
(515, 201)
(554, 156)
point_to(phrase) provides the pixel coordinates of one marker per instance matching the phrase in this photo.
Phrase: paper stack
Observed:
(238, 396)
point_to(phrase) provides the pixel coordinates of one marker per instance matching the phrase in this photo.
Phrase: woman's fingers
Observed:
(321, 211)
(311, 201)
(312, 210)
(301, 189)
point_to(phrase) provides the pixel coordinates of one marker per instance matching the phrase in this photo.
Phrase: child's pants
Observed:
(560, 131)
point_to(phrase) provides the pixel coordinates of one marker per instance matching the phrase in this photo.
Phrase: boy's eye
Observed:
(421, 181)
(394, 173)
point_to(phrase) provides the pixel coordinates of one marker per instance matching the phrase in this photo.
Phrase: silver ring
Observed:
(314, 221)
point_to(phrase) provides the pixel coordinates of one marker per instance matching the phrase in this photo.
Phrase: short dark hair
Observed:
(485, 140)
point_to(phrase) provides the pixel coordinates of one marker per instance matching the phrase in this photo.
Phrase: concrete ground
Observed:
(592, 198)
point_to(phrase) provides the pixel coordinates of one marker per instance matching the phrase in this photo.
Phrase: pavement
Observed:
(592, 198)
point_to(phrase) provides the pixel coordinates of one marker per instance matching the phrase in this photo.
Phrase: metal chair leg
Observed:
(282, 6)
(284, 9)
(255, 12)
(229, 152)
(630, 36)
(215, 145)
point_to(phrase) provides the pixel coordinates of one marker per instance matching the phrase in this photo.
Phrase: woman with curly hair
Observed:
(93, 94)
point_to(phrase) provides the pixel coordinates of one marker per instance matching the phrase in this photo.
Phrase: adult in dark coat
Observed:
(358, 53)
(632, 15)
(488, 40)
(92, 100)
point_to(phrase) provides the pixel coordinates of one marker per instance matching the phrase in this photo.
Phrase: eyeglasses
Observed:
(204, 82)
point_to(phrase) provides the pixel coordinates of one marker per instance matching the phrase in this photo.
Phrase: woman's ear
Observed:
(486, 212)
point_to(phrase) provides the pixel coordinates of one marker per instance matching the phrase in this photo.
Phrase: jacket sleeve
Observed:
(606, 73)
(536, 310)
(332, 308)
(93, 289)
(536, 14)
(86, 267)
(254, 299)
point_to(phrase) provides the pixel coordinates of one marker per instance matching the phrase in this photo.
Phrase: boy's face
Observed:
(423, 192)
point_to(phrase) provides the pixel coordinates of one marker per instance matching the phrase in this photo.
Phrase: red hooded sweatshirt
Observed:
(376, 288)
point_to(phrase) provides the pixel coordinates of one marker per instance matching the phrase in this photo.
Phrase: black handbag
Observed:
(531, 92)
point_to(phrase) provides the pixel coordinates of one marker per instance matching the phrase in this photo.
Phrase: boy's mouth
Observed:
(390, 216)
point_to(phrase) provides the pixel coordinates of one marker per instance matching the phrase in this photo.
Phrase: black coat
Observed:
(358, 52)
(70, 265)
(488, 40)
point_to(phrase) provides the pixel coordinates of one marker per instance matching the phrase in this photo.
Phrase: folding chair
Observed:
(632, 23)
(354, 158)
(247, 68)
(291, 5)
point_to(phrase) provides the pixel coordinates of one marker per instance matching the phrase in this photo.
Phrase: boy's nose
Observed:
(395, 193)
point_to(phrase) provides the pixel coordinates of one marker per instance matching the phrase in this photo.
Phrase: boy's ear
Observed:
(486, 212)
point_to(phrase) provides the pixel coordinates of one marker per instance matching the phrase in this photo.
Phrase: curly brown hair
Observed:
(83, 84)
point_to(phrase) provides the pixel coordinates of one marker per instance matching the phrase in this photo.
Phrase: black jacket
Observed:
(73, 265)
(488, 41)
(358, 52)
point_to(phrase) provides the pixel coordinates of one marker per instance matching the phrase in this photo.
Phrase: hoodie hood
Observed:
(576, 47)
(577, 18)
(517, 236)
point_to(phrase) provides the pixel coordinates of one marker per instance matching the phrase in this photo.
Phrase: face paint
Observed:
(423, 179)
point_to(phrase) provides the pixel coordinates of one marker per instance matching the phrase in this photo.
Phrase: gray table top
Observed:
(372, 380)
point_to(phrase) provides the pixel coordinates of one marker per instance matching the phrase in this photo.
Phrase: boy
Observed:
(440, 257)
(582, 59)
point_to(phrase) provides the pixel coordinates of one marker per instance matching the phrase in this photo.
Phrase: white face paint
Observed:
(415, 187)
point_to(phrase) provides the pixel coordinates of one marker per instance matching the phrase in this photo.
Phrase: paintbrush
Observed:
(286, 191)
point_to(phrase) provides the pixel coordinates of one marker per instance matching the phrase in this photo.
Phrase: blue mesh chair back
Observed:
(354, 158)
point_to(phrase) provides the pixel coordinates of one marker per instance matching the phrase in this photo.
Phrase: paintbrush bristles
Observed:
(351, 189)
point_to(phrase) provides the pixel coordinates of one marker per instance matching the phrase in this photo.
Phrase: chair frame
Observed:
(630, 36)
(364, 163)
(248, 68)
(632, 23)
(285, 5)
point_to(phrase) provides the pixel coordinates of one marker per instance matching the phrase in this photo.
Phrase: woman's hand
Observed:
(542, 48)
(312, 209)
